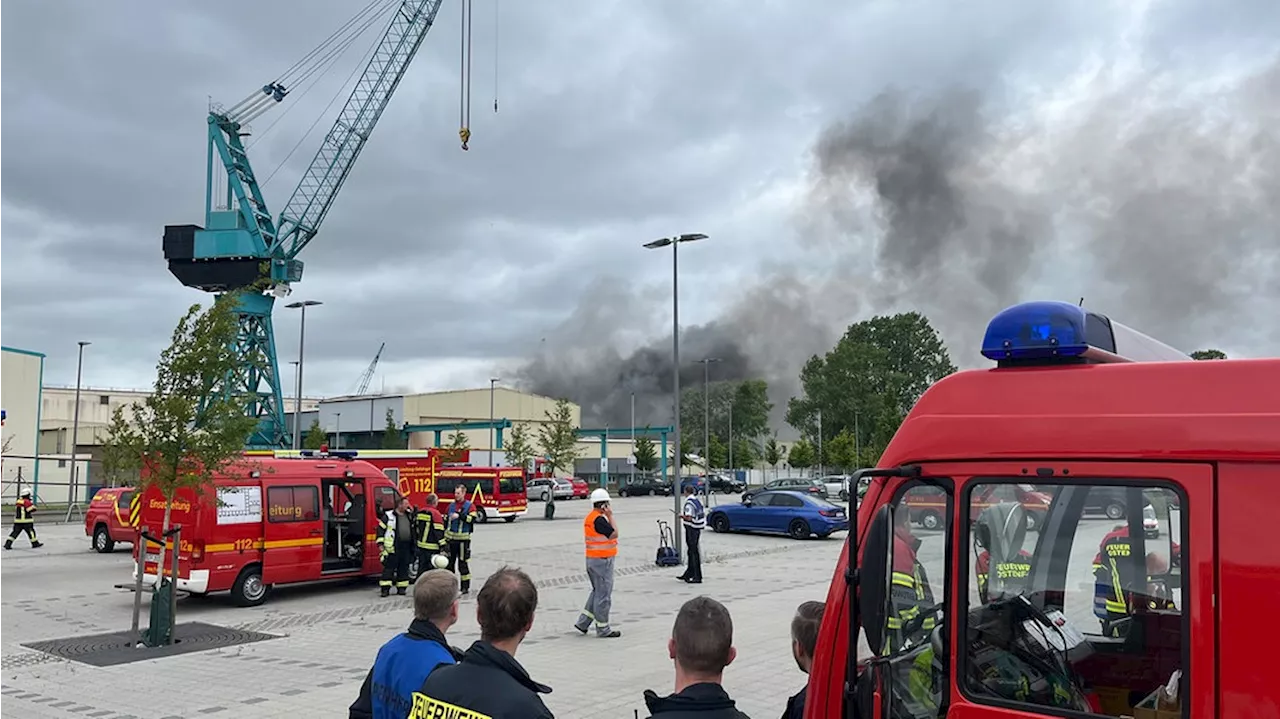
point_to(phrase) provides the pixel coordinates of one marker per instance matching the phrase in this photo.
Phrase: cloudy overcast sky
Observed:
(1117, 150)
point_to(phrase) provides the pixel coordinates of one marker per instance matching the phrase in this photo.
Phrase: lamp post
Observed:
(337, 434)
(706, 413)
(633, 438)
(297, 403)
(493, 382)
(302, 341)
(674, 242)
(73, 504)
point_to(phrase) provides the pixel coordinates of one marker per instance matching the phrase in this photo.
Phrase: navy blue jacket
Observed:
(402, 665)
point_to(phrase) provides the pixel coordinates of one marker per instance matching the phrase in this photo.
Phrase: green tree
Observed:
(558, 437)
(119, 461)
(678, 466)
(717, 455)
(456, 445)
(774, 452)
(874, 374)
(747, 402)
(190, 429)
(842, 451)
(392, 437)
(802, 454)
(646, 454)
(744, 453)
(315, 437)
(519, 446)
(1208, 355)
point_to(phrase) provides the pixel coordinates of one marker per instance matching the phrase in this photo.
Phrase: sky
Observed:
(846, 159)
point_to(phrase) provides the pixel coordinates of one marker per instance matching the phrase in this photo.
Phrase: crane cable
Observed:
(464, 88)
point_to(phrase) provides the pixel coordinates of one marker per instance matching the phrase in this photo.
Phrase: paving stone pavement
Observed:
(330, 633)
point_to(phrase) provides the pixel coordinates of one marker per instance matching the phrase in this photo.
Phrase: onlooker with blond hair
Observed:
(488, 681)
(804, 639)
(701, 646)
(405, 661)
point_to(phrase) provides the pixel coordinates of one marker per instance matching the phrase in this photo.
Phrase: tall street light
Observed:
(706, 413)
(72, 502)
(297, 390)
(297, 400)
(674, 242)
(337, 435)
(493, 382)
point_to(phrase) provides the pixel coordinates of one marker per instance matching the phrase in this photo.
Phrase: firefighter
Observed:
(429, 530)
(397, 549)
(1114, 582)
(457, 534)
(910, 592)
(1010, 572)
(24, 520)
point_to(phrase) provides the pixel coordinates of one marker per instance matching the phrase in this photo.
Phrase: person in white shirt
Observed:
(694, 518)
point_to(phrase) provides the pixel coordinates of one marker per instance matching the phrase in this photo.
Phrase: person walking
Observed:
(24, 520)
(407, 660)
(488, 681)
(457, 534)
(397, 549)
(694, 518)
(429, 530)
(601, 537)
(701, 646)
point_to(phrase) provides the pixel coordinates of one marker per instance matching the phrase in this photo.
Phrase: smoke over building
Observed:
(1156, 202)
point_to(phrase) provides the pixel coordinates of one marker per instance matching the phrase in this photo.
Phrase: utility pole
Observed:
(73, 503)
(732, 469)
(706, 413)
(633, 438)
(820, 458)
(493, 382)
(302, 341)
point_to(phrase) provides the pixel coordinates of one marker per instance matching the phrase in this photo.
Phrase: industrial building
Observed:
(25, 464)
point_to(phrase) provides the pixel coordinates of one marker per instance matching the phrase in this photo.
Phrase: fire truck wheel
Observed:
(249, 591)
(1115, 510)
(931, 520)
(508, 520)
(484, 516)
(102, 539)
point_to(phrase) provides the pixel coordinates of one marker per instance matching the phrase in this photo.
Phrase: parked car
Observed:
(1150, 524)
(580, 488)
(804, 484)
(644, 486)
(544, 488)
(837, 486)
(798, 514)
(716, 482)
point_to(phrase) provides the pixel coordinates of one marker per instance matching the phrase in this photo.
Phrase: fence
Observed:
(47, 476)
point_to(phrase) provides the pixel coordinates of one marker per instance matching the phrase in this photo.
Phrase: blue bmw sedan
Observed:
(794, 513)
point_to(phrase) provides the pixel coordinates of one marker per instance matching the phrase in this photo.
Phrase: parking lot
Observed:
(329, 634)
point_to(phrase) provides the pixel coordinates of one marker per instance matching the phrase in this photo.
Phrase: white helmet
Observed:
(599, 495)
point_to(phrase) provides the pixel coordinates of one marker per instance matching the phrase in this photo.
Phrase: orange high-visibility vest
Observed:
(598, 545)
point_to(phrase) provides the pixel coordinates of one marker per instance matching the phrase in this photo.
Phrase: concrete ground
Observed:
(330, 633)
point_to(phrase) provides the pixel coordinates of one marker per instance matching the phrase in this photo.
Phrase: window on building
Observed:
(1080, 612)
(104, 399)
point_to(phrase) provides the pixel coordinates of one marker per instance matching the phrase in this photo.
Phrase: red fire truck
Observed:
(272, 521)
(1103, 619)
(500, 491)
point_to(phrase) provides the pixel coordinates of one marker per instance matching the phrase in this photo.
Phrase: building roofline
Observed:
(15, 350)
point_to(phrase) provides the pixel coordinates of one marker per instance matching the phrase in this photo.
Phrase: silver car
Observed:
(544, 488)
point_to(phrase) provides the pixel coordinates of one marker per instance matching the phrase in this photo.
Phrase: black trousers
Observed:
(460, 555)
(28, 527)
(424, 559)
(694, 554)
(395, 566)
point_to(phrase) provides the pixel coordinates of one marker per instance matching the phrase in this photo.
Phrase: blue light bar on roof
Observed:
(326, 454)
(1040, 332)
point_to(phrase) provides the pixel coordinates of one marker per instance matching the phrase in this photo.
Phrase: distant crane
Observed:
(367, 377)
(241, 247)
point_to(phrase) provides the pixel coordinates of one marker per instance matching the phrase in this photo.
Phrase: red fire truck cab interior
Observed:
(1080, 615)
(269, 521)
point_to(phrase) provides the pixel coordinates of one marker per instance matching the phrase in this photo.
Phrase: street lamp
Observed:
(297, 400)
(493, 382)
(297, 390)
(674, 242)
(706, 412)
(72, 503)
(337, 435)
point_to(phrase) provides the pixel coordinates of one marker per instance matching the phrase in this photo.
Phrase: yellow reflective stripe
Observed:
(425, 707)
(894, 623)
(1116, 607)
(904, 580)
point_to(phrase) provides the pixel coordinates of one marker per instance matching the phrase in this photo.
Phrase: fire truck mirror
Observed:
(873, 579)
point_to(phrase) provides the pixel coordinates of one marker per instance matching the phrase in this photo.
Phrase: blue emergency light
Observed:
(1059, 332)
(327, 453)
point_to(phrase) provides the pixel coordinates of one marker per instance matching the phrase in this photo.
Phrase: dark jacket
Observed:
(697, 701)
(486, 681)
(402, 665)
(795, 705)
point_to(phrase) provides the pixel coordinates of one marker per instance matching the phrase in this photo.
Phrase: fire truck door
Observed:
(294, 534)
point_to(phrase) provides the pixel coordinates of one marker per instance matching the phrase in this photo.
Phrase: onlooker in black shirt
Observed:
(804, 639)
(701, 645)
(488, 680)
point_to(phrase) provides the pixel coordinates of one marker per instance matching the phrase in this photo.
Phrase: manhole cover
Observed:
(105, 650)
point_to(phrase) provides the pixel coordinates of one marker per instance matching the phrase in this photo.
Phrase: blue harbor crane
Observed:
(241, 247)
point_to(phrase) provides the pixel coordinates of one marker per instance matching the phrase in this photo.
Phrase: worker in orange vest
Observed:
(24, 520)
(601, 537)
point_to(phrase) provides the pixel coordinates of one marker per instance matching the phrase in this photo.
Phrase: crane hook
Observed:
(464, 134)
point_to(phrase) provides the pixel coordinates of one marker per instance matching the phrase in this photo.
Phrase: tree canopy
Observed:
(646, 454)
(392, 437)
(1209, 354)
(745, 403)
(519, 446)
(801, 455)
(558, 437)
(315, 436)
(455, 446)
(868, 382)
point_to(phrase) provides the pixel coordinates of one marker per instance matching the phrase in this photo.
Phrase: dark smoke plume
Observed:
(1157, 205)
